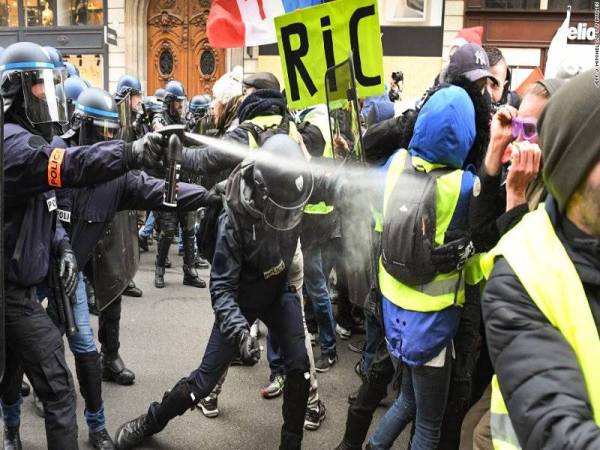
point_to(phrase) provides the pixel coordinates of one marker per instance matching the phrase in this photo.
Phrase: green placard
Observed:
(310, 40)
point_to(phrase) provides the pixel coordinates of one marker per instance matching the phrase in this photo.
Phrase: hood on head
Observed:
(445, 128)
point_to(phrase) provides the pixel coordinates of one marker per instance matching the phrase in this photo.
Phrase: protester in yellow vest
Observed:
(541, 305)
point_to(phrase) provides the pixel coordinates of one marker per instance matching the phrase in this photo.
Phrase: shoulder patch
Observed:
(36, 141)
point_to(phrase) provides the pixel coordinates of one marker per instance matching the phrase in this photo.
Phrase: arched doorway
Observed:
(178, 47)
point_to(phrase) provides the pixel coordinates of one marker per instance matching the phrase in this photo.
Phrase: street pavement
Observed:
(163, 337)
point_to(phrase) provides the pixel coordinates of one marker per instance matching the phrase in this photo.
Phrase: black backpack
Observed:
(260, 134)
(409, 226)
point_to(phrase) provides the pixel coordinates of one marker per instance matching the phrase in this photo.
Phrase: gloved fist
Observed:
(453, 254)
(249, 348)
(147, 152)
(67, 268)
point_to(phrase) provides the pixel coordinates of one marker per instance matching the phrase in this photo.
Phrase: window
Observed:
(90, 67)
(9, 13)
(576, 5)
(512, 4)
(48, 13)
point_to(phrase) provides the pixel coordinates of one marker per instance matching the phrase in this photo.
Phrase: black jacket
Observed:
(541, 381)
(250, 265)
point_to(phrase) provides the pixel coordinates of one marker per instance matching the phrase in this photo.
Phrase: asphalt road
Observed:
(163, 336)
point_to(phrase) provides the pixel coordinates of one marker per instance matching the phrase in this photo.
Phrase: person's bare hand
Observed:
(500, 137)
(340, 146)
(526, 161)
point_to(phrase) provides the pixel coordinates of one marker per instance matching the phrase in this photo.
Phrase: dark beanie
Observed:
(569, 135)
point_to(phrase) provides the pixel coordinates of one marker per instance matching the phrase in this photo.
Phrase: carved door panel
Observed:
(178, 47)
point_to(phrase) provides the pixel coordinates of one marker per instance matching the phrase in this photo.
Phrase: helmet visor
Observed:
(126, 132)
(283, 218)
(44, 96)
(98, 130)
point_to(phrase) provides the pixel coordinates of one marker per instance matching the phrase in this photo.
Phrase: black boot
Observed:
(132, 290)
(143, 242)
(113, 369)
(133, 433)
(101, 440)
(190, 275)
(159, 277)
(191, 278)
(12, 439)
(295, 396)
(164, 243)
(174, 403)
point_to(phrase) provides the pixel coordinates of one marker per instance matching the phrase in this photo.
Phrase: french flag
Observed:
(246, 23)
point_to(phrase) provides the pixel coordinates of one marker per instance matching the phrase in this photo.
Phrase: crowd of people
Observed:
(478, 212)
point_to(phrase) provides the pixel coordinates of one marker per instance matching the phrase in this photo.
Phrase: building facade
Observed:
(160, 40)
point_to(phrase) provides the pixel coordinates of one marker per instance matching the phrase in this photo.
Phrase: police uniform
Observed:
(32, 169)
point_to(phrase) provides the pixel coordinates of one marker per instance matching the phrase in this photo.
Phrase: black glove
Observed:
(67, 268)
(146, 153)
(453, 254)
(249, 348)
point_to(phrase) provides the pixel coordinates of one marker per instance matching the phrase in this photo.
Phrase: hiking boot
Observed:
(314, 416)
(191, 278)
(12, 438)
(101, 440)
(325, 362)
(274, 388)
(208, 406)
(25, 388)
(133, 433)
(132, 290)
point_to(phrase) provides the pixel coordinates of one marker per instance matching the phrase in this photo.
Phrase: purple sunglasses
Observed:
(526, 127)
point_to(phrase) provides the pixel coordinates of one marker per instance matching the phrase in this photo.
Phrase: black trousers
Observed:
(34, 345)
(169, 223)
(109, 323)
(284, 321)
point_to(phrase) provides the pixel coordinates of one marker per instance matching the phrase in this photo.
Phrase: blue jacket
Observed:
(444, 133)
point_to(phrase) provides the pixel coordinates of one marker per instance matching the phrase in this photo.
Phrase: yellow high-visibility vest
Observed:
(445, 289)
(540, 261)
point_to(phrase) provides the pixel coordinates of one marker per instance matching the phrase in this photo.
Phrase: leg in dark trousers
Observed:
(190, 275)
(466, 346)
(372, 391)
(113, 367)
(284, 320)
(34, 343)
(167, 221)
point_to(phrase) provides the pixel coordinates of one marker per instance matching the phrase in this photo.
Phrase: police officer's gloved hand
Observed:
(249, 348)
(146, 153)
(453, 254)
(67, 268)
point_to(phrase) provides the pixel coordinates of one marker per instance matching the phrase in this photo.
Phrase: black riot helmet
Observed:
(32, 83)
(96, 117)
(277, 183)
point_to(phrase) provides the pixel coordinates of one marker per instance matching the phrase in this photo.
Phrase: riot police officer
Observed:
(169, 222)
(34, 104)
(256, 241)
(199, 119)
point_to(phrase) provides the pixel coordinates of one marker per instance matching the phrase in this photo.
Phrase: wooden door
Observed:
(178, 47)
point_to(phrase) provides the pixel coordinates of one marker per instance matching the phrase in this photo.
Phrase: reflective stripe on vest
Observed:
(320, 121)
(538, 258)
(445, 289)
(265, 122)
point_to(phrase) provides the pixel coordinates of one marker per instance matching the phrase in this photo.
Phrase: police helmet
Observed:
(199, 104)
(57, 58)
(128, 84)
(160, 94)
(28, 70)
(72, 71)
(73, 87)
(277, 183)
(96, 116)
